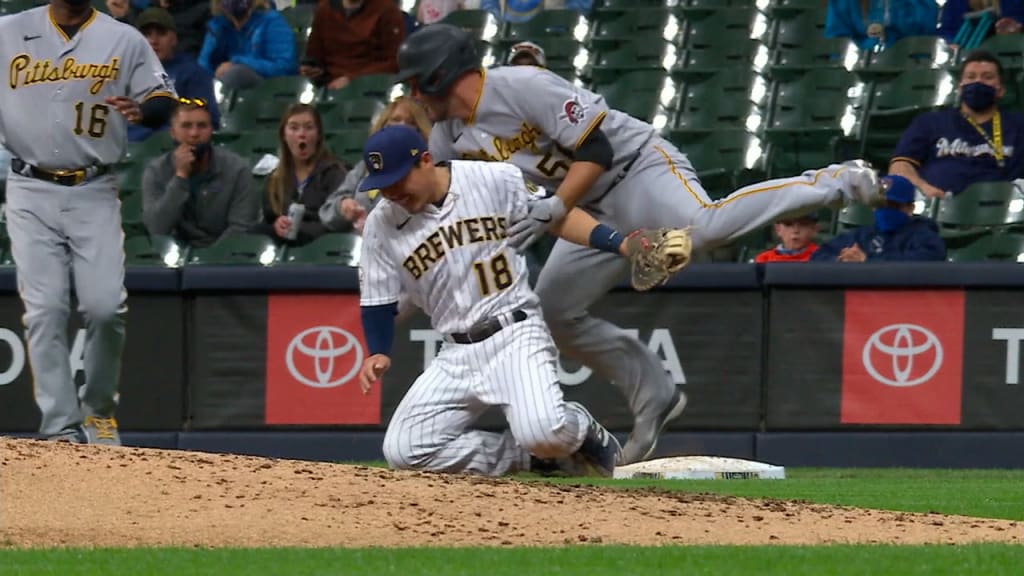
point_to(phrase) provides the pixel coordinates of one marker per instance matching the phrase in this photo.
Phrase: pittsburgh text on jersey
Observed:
(25, 72)
(452, 236)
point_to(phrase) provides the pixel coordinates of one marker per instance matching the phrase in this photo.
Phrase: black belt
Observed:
(484, 329)
(61, 177)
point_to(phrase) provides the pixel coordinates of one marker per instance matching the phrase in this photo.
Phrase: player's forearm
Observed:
(581, 228)
(578, 180)
(379, 327)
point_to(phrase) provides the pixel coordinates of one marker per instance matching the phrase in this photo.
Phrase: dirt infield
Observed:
(68, 495)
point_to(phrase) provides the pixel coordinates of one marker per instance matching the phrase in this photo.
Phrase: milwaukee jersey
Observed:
(452, 260)
(53, 112)
(536, 120)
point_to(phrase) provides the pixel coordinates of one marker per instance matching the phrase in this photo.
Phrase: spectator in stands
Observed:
(897, 234)
(345, 210)
(247, 42)
(945, 151)
(307, 173)
(430, 11)
(189, 18)
(796, 240)
(527, 54)
(187, 77)
(1009, 19)
(874, 24)
(198, 192)
(353, 38)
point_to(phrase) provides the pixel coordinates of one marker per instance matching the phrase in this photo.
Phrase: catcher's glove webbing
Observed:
(656, 255)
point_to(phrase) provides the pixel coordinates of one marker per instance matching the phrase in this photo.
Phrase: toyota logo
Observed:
(318, 352)
(902, 355)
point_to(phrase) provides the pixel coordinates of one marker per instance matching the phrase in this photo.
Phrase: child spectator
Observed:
(796, 240)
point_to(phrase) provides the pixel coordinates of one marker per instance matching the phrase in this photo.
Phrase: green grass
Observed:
(990, 560)
(982, 493)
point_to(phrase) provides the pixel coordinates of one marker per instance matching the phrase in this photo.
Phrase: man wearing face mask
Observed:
(247, 42)
(896, 236)
(352, 38)
(198, 192)
(945, 151)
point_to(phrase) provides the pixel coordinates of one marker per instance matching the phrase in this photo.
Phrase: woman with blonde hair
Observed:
(346, 207)
(306, 174)
(246, 42)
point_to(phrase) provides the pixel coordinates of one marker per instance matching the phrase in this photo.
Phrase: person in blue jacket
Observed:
(876, 24)
(247, 42)
(897, 235)
(186, 76)
(1009, 21)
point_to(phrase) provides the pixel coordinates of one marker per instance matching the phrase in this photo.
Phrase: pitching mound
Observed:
(68, 495)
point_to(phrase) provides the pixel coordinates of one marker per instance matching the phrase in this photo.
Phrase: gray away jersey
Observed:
(536, 120)
(52, 109)
(454, 262)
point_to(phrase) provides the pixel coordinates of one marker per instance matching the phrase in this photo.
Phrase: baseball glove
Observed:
(656, 255)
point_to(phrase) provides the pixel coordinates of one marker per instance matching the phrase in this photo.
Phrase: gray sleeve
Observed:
(163, 199)
(440, 145)
(329, 214)
(563, 111)
(246, 202)
(147, 76)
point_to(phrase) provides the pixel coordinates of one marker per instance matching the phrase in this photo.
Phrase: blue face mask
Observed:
(978, 96)
(890, 219)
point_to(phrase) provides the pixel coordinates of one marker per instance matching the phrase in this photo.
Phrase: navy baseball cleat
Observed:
(644, 437)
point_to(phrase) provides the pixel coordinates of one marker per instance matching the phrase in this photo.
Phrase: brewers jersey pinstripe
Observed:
(452, 260)
(52, 109)
(540, 133)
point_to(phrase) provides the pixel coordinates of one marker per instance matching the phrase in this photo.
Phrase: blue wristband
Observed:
(379, 327)
(606, 239)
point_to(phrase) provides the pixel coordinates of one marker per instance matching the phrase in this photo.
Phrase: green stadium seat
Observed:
(643, 54)
(252, 115)
(546, 24)
(786, 60)
(350, 114)
(893, 104)
(719, 40)
(129, 177)
(479, 23)
(785, 8)
(348, 145)
(991, 247)
(159, 251)
(1009, 48)
(288, 89)
(131, 212)
(144, 151)
(253, 145)
(560, 52)
(236, 249)
(376, 86)
(981, 208)
(635, 93)
(608, 8)
(328, 249)
(14, 6)
(300, 18)
(719, 157)
(854, 216)
(720, 102)
(624, 28)
(909, 53)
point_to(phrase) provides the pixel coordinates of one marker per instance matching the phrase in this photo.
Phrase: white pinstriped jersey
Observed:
(536, 120)
(453, 261)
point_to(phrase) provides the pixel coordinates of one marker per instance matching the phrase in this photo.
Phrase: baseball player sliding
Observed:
(84, 75)
(566, 139)
(439, 236)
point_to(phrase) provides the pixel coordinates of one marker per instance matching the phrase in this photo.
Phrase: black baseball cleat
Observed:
(599, 451)
(644, 438)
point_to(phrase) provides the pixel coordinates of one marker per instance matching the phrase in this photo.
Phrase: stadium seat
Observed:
(1009, 48)
(327, 249)
(909, 53)
(236, 248)
(893, 104)
(348, 145)
(300, 18)
(477, 22)
(546, 24)
(786, 60)
(129, 177)
(624, 28)
(253, 145)
(253, 115)
(14, 6)
(646, 54)
(719, 157)
(719, 40)
(144, 151)
(285, 88)
(635, 93)
(981, 208)
(991, 247)
(160, 251)
(720, 102)
(131, 212)
(350, 114)
(560, 52)
(377, 86)
(608, 8)
(854, 216)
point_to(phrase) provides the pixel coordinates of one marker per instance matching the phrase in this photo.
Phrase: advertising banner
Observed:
(152, 377)
(993, 391)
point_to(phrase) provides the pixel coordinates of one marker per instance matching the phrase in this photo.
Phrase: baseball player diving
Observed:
(566, 139)
(75, 78)
(439, 236)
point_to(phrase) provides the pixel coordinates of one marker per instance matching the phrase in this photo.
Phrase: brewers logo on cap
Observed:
(376, 161)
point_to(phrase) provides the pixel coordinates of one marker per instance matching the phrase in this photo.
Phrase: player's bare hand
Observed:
(184, 159)
(282, 225)
(311, 71)
(339, 82)
(932, 191)
(543, 215)
(373, 368)
(127, 107)
(224, 67)
(351, 210)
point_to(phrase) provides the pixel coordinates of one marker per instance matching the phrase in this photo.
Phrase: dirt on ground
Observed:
(70, 495)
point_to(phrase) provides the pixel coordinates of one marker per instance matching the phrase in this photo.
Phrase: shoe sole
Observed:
(671, 414)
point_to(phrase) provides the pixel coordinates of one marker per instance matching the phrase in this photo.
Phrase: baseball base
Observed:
(700, 468)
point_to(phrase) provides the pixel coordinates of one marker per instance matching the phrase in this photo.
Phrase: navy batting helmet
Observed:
(435, 56)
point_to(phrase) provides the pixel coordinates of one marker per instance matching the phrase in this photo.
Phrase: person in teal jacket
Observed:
(247, 42)
(875, 24)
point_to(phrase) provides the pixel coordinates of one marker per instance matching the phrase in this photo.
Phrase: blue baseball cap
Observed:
(898, 189)
(390, 154)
